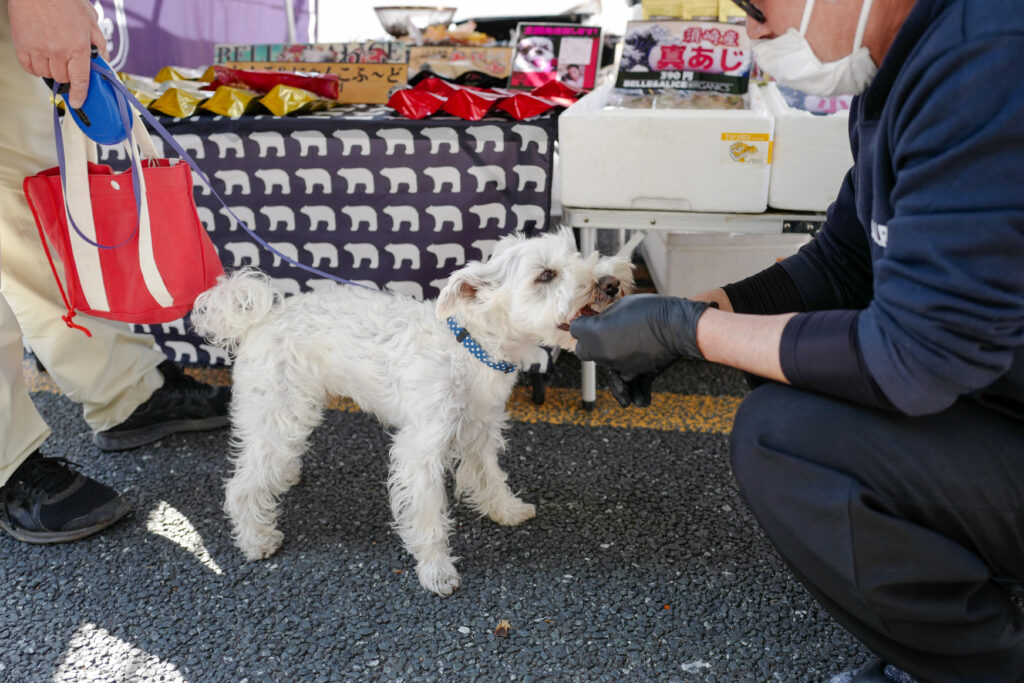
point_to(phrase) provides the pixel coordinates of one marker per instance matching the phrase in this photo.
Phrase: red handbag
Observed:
(136, 257)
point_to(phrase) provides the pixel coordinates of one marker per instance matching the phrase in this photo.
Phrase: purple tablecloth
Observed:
(361, 194)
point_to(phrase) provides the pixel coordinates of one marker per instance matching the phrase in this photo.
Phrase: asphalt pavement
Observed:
(643, 564)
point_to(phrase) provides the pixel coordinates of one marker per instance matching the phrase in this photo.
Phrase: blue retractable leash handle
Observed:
(104, 118)
(98, 117)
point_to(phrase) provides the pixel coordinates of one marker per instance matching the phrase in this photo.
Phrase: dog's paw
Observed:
(438, 577)
(262, 546)
(515, 511)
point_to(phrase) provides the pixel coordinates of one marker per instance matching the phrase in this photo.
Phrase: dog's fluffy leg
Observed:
(481, 482)
(271, 430)
(419, 503)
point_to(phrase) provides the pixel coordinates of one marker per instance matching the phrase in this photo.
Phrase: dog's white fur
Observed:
(397, 358)
(535, 53)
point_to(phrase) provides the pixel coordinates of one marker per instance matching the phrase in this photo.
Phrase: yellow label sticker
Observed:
(750, 149)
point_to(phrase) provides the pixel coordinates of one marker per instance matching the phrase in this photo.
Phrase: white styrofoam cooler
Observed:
(687, 263)
(665, 159)
(810, 158)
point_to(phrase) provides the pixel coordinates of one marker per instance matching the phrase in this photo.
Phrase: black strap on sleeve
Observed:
(820, 352)
(769, 292)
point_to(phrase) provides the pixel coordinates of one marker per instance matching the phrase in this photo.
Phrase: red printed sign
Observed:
(685, 55)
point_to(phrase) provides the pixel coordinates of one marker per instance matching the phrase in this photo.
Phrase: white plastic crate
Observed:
(811, 155)
(665, 159)
(687, 263)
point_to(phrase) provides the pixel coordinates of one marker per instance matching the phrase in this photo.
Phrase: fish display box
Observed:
(811, 154)
(613, 156)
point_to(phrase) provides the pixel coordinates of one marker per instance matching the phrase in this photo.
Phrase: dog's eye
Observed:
(547, 276)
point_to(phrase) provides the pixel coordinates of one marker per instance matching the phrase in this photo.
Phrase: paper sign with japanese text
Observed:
(569, 53)
(360, 83)
(685, 55)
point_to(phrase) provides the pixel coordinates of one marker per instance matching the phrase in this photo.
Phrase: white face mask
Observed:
(791, 61)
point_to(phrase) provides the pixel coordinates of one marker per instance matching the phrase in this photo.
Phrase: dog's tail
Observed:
(239, 301)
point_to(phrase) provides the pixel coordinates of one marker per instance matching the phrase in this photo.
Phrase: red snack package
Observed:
(436, 86)
(327, 86)
(416, 104)
(557, 92)
(524, 106)
(471, 105)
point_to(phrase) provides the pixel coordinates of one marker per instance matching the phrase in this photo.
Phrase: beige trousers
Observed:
(110, 373)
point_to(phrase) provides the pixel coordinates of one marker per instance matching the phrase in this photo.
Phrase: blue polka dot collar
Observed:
(462, 336)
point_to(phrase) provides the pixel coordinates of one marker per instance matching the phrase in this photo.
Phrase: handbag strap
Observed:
(124, 95)
(150, 271)
(68, 317)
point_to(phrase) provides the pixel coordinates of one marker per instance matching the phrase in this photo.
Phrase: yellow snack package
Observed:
(209, 75)
(285, 99)
(232, 102)
(178, 73)
(176, 102)
(145, 98)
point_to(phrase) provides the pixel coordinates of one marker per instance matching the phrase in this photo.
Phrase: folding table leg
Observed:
(588, 371)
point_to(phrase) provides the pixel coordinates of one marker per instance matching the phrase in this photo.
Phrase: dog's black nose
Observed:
(609, 285)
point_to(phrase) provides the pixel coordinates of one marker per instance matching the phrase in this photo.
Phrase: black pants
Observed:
(906, 529)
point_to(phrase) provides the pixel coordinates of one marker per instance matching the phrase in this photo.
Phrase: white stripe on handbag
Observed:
(78, 149)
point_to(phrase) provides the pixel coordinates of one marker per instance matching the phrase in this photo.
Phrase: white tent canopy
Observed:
(345, 20)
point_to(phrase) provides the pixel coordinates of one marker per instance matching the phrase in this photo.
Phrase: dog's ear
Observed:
(461, 288)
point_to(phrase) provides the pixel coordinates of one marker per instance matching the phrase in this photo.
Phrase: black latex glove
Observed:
(637, 339)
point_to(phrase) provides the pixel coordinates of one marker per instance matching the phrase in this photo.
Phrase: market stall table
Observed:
(676, 169)
(362, 194)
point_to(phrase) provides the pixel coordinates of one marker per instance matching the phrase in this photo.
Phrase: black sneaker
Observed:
(182, 404)
(45, 501)
(875, 671)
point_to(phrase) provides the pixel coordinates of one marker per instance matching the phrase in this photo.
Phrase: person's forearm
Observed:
(745, 342)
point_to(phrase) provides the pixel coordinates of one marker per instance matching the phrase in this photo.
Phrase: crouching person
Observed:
(884, 458)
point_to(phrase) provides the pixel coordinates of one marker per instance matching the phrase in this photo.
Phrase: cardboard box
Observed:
(366, 52)
(495, 61)
(723, 10)
(665, 159)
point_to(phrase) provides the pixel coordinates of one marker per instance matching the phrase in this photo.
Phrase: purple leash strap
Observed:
(61, 163)
(124, 97)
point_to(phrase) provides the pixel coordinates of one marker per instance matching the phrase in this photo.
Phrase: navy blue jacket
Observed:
(924, 246)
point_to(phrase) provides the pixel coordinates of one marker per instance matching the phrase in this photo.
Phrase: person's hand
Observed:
(52, 39)
(638, 338)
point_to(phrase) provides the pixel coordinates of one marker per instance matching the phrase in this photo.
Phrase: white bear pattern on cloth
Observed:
(447, 193)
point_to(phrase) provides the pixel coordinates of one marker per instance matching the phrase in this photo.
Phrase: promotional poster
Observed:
(555, 52)
(685, 55)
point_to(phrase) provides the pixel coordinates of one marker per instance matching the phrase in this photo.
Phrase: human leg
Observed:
(22, 427)
(42, 500)
(130, 394)
(110, 373)
(903, 528)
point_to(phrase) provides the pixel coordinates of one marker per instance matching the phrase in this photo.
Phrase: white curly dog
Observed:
(438, 373)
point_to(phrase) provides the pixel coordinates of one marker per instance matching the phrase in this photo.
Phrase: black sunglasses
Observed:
(751, 11)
